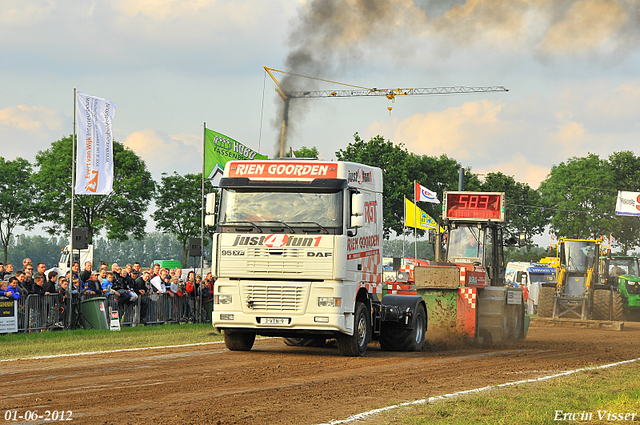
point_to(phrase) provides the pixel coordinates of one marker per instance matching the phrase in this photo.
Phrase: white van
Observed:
(531, 275)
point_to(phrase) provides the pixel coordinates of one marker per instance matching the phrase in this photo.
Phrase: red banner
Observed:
(283, 170)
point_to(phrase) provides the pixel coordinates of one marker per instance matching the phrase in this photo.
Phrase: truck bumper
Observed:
(282, 324)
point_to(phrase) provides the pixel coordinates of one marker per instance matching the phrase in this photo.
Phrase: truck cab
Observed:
(298, 253)
(81, 256)
(530, 275)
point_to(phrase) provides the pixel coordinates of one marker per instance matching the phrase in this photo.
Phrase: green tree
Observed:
(440, 174)
(154, 246)
(16, 199)
(400, 169)
(580, 196)
(393, 248)
(121, 213)
(532, 253)
(523, 209)
(625, 174)
(304, 152)
(39, 248)
(179, 207)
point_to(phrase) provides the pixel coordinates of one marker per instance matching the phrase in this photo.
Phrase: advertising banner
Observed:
(94, 169)
(425, 221)
(628, 203)
(8, 316)
(220, 149)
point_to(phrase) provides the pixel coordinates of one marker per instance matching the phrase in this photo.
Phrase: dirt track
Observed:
(274, 383)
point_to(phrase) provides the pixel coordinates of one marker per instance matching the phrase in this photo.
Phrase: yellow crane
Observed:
(360, 91)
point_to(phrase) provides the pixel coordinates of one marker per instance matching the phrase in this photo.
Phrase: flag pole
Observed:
(415, 224)
(197, 290)
(404, 227)
(73, 183)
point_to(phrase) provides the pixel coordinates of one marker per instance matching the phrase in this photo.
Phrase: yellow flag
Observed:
(425, 222)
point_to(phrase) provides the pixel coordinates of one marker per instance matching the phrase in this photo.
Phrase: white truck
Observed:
(81, 256)
(297, 253)
(529, 275)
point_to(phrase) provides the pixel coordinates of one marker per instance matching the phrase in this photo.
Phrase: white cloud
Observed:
(35, 119)
(24, 12)
(587, 25)
(521, 168)
(458, 132)
(25, 130)
(166, 154)
(161, 9)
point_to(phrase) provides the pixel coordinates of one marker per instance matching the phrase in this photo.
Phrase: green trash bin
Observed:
(93, 313)
(208, 310)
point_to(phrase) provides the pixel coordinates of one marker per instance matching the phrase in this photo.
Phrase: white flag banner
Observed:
(425, 195)
(628, 203)
(94, 170)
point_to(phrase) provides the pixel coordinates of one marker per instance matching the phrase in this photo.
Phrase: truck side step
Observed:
(577, 323)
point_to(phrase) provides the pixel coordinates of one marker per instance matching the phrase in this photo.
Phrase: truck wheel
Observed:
(600, 309)
(305, 342)
(356, 345)
(239, 341)
(545, 301)
(618, 306)
(514, 325)
(406, 339)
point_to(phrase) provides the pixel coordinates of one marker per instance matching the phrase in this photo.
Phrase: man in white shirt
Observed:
(158, 281)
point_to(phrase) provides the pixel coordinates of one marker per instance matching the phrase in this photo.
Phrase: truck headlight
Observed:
(329, 302)
(222, 299)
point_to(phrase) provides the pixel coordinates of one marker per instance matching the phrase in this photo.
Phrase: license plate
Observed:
(274, 321)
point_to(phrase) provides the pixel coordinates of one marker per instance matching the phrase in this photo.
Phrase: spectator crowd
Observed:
(127, 286)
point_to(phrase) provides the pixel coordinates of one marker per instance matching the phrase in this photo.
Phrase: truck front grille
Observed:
(285, 298)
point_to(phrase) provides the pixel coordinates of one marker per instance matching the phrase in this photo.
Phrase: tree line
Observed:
(153, 246)
(576, 200)
(40, 194)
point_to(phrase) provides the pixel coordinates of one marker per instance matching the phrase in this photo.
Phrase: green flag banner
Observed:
(220, 149)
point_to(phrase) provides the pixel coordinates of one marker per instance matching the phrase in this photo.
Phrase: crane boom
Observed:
(365, 91)
(391, 93)
(361, 91)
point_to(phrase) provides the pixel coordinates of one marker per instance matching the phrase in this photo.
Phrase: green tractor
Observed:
(621, 299)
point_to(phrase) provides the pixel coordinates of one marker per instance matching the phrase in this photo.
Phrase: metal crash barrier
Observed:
(36, 313)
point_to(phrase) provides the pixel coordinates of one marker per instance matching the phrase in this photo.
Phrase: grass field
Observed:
(78, 341)
(609, 396)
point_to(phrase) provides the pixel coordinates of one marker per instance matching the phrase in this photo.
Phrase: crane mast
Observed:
(361, 91)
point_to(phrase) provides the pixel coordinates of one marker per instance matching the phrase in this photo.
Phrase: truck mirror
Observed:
(211, 203)
(357, 204)
(357, 221)
(210, 220)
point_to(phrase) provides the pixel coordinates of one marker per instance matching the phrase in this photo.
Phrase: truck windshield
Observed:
(465, 242)
(540, 277)
(291, 208)
(623, 266)
(580, 256)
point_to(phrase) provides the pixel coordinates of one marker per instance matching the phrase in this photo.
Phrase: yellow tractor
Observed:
(571, 296)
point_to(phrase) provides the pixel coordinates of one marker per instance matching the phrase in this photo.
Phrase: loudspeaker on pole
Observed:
(80, 235)
(195, 247)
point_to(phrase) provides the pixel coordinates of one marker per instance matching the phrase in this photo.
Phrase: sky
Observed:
(571, 68)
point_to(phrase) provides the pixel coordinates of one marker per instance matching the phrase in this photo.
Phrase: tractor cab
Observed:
(479, 245)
